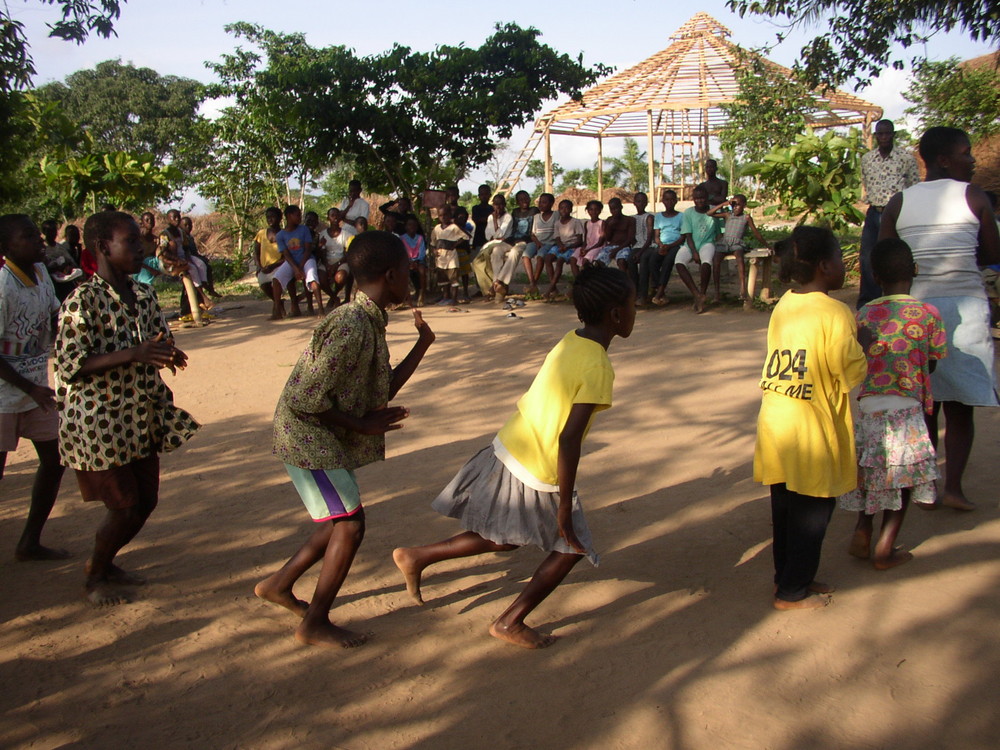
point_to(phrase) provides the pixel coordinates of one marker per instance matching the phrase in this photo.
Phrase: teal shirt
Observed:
(702, 227)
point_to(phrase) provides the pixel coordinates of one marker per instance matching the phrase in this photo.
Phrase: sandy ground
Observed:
(670, 643)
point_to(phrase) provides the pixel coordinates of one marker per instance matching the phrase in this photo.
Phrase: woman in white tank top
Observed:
(949, 225)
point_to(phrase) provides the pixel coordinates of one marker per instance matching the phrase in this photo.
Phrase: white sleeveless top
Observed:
(943, 233)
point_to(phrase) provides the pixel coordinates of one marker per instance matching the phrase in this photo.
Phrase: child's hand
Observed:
(299, 275)
(381, 421)
(426, 334)
(565, 517)
(43, 396)
(155, 352)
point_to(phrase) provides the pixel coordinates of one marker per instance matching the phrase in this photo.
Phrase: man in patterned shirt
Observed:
(885, 171)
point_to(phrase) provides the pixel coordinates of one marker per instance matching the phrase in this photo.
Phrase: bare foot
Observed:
(123, 578)
(810, 602)
(284, 599)
(329, 635)
(957, 501)
(115, 576)
(897, 557)
(102, 595)
(411, 573)
(817, 587)
(295, 313)
(699, 304)
(522, 636)
(38, 552)
(861, 544)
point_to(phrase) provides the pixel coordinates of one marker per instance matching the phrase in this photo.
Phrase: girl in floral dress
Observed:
(902, 338)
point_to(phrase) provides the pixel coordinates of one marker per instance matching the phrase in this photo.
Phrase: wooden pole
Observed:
(548, 160)
(649, 152)
(600, 168)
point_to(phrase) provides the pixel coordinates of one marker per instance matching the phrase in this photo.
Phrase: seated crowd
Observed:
(489, 243)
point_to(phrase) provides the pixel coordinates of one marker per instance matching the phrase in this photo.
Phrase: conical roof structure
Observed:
(675, 95)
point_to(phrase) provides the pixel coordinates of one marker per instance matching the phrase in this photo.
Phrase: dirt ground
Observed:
(670, 643)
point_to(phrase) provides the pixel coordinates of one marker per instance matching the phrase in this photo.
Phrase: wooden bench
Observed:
(758, 264)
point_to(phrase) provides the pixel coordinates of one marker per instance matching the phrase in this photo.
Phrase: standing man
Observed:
(885, 171)
(715, 186)
(354, 205)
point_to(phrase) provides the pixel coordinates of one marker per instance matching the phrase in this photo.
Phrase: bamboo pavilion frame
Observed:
(676, 96)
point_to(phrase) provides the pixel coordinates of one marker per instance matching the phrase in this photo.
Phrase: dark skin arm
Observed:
(380, 421)
(40, 394)
(570, 446)
(157, 352)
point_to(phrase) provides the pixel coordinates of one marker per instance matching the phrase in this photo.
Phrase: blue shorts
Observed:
(561, 255)
(605, 255)
(328, 494)
(531, 250)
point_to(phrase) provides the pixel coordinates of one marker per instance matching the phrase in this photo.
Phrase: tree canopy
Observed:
(80, 18)
(861, 34)
(406, 120)
(125, 108)
(770, 110)
(949, 93)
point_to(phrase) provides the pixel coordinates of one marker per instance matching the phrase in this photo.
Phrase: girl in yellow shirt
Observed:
(522, 488)
(805, 437)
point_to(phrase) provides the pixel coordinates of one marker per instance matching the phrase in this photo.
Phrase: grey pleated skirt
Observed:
(487, 499)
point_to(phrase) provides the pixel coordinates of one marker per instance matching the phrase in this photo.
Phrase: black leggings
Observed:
(800, 523)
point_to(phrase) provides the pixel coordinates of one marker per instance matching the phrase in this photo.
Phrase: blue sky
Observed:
(177, 36)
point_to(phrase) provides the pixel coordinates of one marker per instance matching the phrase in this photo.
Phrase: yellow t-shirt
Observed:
(805, 436)
(576, 371)
(269, 252)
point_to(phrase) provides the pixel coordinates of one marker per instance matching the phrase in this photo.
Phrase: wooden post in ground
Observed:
(192, 295)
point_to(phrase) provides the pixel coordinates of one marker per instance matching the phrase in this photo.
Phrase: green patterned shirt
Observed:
(345, 366)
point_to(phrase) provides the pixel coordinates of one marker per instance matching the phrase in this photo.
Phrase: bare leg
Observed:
(861, 542)
(958, 436)
(699, 297)
(278, 306)
(886, 555)
(530, 272)
(741, 272)
(48, 476)
(277, 588)
(706, 276)
(412, 561)
(510, 625)
(316, 628)
(717, 268)
(318, 294)
(118, 529)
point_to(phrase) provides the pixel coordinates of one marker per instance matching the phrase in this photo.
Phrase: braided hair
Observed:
(596, 290)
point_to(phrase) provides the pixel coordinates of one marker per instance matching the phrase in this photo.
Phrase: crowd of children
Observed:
(111, 414)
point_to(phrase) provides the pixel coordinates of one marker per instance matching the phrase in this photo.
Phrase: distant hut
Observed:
(674, 96)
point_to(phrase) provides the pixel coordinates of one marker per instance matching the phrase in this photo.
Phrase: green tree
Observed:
(948, 93)
(243, 177)
(815, 179)
(79, 19)
(630, 170)
(536, 172)
(771, 108)
(406, 120)
(125, 108)
(69, 173)
(585, 178)
(861, 34)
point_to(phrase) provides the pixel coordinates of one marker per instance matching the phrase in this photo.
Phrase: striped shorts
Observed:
(328, 494)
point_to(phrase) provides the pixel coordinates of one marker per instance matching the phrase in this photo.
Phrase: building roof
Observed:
(695, 73)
